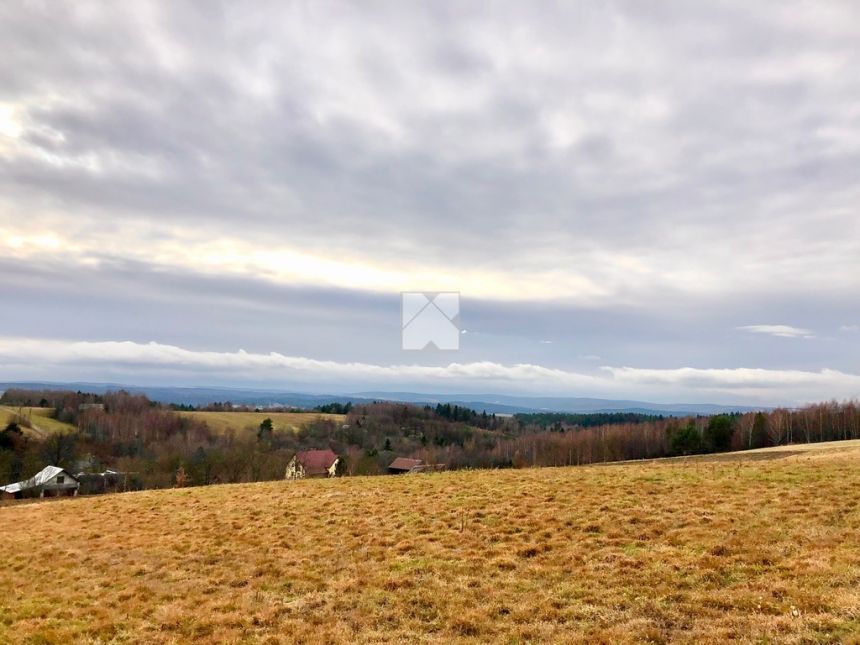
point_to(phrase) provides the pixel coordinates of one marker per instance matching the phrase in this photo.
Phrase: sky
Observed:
(634, 200)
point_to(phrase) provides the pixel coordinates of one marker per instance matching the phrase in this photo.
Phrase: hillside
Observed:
(498, 403)
(758, 547)
(41, 421)
(222, 422)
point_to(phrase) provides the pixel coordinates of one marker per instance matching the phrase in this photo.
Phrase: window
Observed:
(61, 479)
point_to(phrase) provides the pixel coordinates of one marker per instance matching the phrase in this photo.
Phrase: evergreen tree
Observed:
(265, 431)
(758, 434)
(718, 433)
(685, 440)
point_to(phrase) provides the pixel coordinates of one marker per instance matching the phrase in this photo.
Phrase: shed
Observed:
(108, 481)
(312, 463)
(405, 465)
(51, 481)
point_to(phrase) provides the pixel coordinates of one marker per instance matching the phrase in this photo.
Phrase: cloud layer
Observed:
(148, 360)
(648, 184)
(597, 146)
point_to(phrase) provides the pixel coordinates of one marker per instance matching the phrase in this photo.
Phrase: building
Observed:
(312, 463)
(110, 481)
(51, 481)
(405, 465)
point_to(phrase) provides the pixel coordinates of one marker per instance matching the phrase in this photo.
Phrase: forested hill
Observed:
(130, 433)
(498, 403)
(560, 420)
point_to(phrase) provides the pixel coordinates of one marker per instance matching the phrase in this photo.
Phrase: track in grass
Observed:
(41, 420)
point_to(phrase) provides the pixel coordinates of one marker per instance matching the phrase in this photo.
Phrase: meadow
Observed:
(246, 422)
(41, 420)
(756, 547)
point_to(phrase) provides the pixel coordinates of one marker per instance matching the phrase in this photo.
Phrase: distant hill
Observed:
(501, 403)
(201, 395)
(492, 403)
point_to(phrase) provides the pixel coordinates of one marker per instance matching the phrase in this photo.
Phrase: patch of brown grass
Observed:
(40, 421)
(221, 422)
(661, 552)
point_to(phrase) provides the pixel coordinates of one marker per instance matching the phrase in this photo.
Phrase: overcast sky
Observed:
(652, 200)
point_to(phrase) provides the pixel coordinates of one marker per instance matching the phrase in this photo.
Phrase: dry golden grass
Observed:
(41, 419)
(221, 422)
(696, 552)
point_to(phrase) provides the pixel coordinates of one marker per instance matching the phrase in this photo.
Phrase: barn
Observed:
(110, 481)
(51, 481)
(312, 463)
(405, 465)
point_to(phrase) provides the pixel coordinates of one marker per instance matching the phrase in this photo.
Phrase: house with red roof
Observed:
(312, 463)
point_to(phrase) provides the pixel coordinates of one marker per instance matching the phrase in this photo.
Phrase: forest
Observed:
(160, 448)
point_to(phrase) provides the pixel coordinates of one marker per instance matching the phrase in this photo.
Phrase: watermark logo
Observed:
(430, 320)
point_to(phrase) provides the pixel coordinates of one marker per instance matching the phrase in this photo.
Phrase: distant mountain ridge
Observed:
(514, 404)
(491, 403)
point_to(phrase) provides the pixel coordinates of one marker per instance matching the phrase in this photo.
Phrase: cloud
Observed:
(730, 385)
(281, 171)
(583, 142)
(782, 331)
(849, 328)
(792, 386)
(736, 377)
(126, 354)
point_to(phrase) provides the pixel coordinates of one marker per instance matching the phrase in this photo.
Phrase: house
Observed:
(405, 465)
(312, 463)
(51, 481)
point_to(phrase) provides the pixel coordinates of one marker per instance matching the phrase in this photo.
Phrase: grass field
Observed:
(221, 422)
(756, 549)
(40, 419)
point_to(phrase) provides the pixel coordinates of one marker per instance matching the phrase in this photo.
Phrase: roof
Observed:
(404, 463)
(47, 473)
(316, 462)
(106, 473)
(39, 479)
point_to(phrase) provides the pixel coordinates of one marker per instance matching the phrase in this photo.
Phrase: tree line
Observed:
(558, 421)
(159, 447)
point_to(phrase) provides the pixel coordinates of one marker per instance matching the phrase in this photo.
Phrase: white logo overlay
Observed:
(430, 320)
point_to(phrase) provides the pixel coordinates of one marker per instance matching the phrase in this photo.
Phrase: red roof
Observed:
(316, 462)
(404, 463)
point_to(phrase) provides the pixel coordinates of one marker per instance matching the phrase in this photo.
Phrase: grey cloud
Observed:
(158, 359)
(700, 162)
(466, 165)
(121, 300)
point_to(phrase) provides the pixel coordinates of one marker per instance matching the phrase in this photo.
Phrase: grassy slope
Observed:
(221, 422)
(692, 551)
(40, 418)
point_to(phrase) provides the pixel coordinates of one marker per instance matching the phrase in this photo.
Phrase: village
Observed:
(54, 481)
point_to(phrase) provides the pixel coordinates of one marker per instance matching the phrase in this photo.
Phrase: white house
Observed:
(51, 481)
